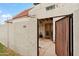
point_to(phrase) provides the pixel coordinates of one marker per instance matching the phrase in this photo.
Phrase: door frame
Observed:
(71, 16)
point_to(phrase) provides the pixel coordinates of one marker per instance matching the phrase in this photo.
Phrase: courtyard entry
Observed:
(62, 43)
(46, 28)
(45, 37)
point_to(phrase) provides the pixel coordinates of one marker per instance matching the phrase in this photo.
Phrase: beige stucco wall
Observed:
(61, 9)
(3, 34)
(26, 38)
(76, 32)
(20, 39)
(6, 35)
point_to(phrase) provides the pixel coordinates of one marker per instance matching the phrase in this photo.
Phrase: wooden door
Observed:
(62, 36)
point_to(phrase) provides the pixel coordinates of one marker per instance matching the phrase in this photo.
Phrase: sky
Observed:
(8, 10)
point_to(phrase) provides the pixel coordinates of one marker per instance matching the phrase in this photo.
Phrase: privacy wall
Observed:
(3, 34)
(22, 36)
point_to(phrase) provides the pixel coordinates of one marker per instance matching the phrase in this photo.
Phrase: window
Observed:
(50, 7)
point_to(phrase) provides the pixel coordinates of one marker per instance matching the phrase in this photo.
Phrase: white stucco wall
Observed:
(26, 38)
(20, 39)
(11, 35)
(76, 32)
(61, 9)
(3, 34)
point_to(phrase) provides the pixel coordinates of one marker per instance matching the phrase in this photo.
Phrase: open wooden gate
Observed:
(63, 45)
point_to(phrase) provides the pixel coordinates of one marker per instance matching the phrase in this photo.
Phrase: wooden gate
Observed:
(63, 45)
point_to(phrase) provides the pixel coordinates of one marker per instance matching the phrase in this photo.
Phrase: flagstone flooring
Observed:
(46, 47)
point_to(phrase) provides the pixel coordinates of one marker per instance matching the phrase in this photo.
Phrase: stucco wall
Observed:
(26, 37)
(21, 36)
(76, 32)
(61, 9)
(3, 34)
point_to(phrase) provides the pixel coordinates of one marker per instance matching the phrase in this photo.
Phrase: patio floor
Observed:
(46, 47)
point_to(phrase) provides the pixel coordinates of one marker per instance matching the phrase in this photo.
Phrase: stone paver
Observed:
(47, 47)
